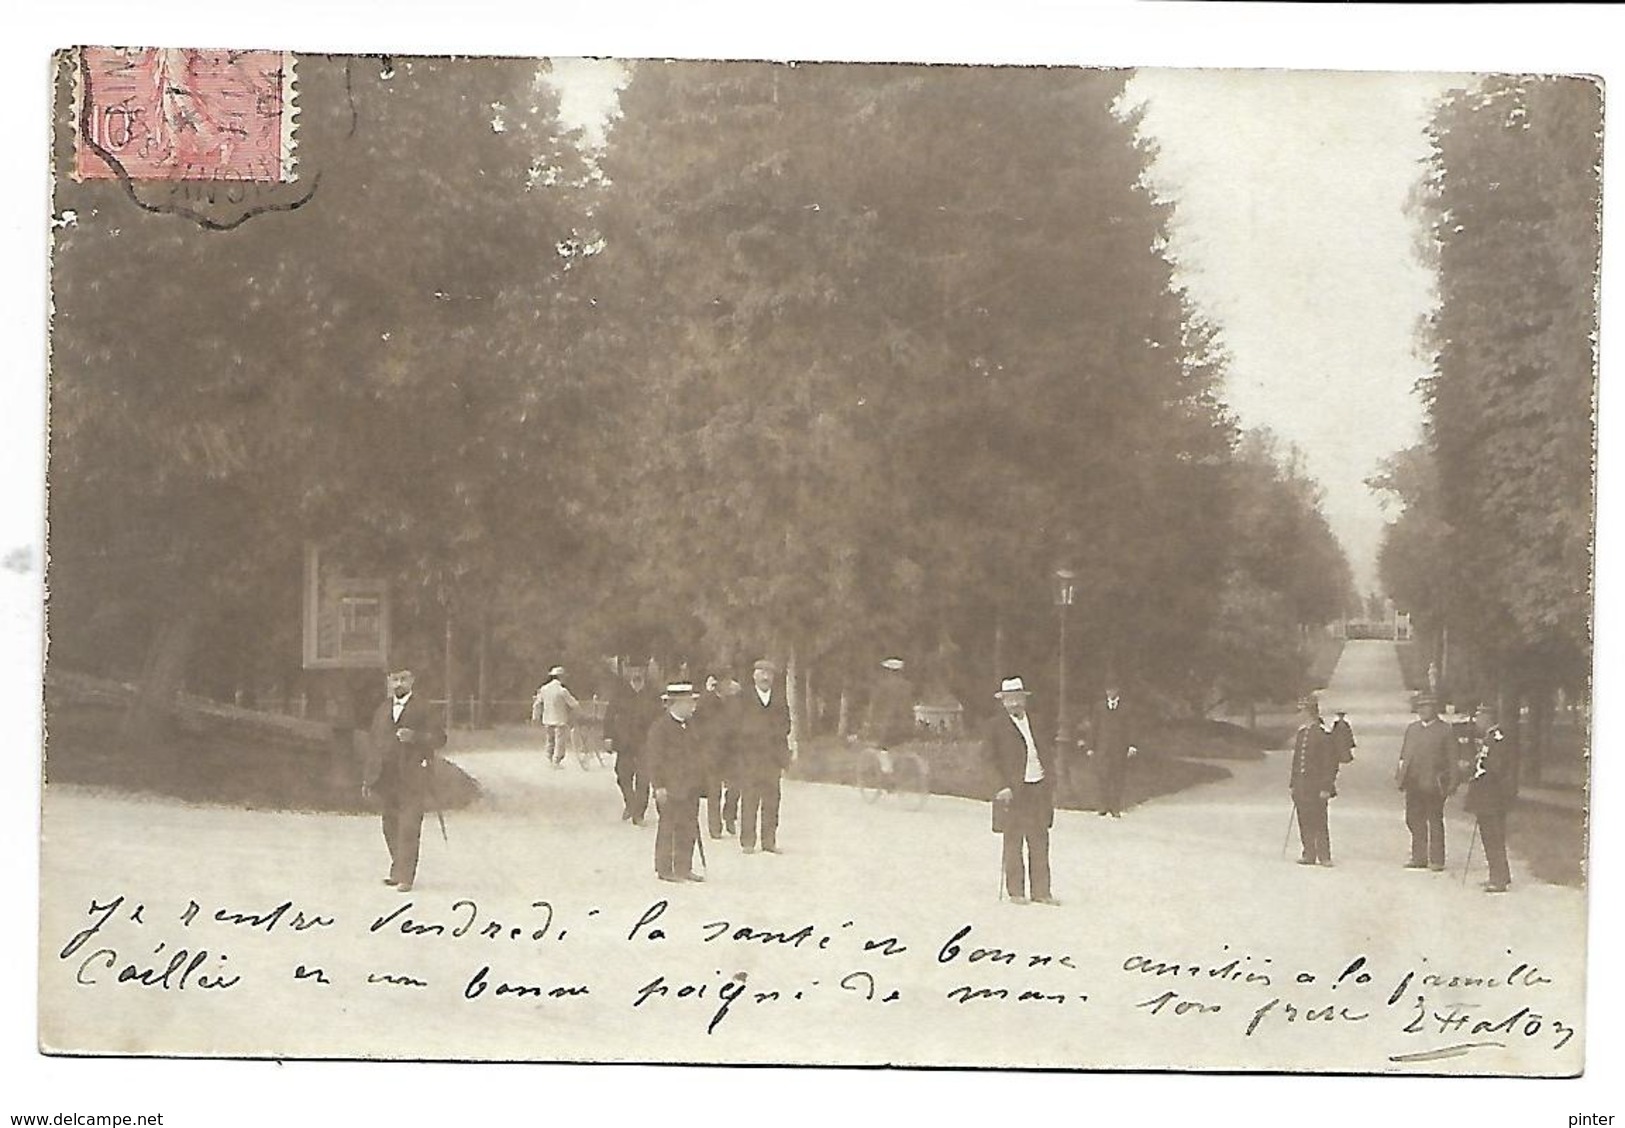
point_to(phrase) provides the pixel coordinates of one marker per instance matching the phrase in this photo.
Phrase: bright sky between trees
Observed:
(1292, 232)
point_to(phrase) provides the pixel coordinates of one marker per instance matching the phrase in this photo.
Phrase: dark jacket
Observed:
(1343, 740)
(1489, 789)
(1427, 759)
(1006, 752)
(390, 762)
(890, 720)
(1111, 731)
(718, 720)
(628, 717)
(1314, 762)
(674, 756)
(763, 732)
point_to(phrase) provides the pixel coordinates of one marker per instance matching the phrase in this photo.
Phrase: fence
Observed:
(1391, 630)
(500, 712)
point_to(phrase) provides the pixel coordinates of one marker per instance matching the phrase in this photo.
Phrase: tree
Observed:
(377, 369)
(1286, 575)
(1509, 213)
(1414, 560)
(882, 399)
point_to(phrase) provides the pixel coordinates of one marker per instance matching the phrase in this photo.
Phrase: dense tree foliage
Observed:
(915, 347)
(379, 369)
(1493, 548)
(1287, 574)
(825, 361)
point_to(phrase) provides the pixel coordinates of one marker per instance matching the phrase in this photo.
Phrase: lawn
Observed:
(229, 769)
(1551, 840)
(1173, 757)
(1324, 652)
(1413, 665)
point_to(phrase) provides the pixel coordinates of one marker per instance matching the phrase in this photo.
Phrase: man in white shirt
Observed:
(1026, 770)
(555, 706)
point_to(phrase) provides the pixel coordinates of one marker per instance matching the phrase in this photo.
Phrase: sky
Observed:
(1292, 236)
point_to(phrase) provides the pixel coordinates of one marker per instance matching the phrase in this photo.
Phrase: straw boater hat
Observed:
(765, 664)
(678, 689)
(1012, 687)
(891, 663)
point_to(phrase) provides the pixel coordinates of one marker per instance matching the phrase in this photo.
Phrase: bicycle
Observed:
(900, 773)
(587, 745)
(587, 736)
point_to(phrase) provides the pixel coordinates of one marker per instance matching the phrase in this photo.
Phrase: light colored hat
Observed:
(556, 672)
(891, 663)
(765, 664)
(1012, 687)
(678, 689)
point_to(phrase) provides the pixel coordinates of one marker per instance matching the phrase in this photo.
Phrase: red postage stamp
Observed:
(185, 114)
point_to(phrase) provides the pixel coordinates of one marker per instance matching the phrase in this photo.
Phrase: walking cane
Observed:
(699, 841)
(1290, 822)
(434, 795)
(998, 818)
(1477, 833)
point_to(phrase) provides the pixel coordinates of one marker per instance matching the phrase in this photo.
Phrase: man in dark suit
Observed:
(632, 709)
(1343, 744)
(1490, 794)
(1026, 770)
(1427, 775)
(1111, 747)
(1343, 737)
(399, 769)
(718, 718)
(677, 770)
(1314, 770)
(762, 753)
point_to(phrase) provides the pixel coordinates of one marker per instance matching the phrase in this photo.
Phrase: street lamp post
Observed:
(1065, 593)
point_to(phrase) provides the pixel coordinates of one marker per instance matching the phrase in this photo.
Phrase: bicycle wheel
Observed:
(911, 779)
(583, 750)
(871, 781)
(592, 739)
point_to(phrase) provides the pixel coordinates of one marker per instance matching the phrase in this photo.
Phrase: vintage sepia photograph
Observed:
(818, 563)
